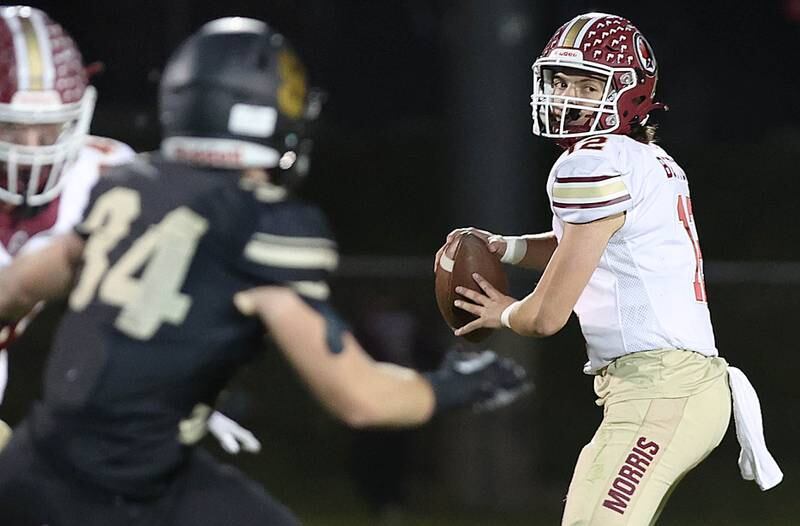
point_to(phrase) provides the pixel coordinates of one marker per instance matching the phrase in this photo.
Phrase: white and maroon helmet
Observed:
(605, 46)
(42, 81)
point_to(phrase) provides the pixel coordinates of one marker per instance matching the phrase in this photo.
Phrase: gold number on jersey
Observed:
(109, 221)
(163, 255)
(164, 252)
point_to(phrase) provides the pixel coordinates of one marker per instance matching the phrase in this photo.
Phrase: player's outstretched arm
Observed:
(531, 251)
(366, 393)
(349, 383)
(45, 274)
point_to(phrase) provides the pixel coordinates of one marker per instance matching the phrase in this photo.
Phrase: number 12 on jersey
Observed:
(687, 219)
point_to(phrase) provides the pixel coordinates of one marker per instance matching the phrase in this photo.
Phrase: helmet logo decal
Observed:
(292, 92)
(567, 53)
(645, 53)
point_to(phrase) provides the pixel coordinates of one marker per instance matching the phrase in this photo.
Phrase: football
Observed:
(464, 256)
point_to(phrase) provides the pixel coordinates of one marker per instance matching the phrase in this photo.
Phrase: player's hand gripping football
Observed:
(488, 307)
(480, 380)
(496, 244)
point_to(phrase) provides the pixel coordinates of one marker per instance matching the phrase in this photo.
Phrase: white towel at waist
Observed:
(755, 461)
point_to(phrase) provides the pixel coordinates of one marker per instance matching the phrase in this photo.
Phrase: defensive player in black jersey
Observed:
(154, 332)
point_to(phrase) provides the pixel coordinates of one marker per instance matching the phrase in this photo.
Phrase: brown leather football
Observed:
(464, 256)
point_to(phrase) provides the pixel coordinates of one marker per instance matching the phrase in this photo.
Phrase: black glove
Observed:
(481, 380)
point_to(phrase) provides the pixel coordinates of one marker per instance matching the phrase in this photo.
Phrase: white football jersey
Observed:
(62, 214)
(647, 292)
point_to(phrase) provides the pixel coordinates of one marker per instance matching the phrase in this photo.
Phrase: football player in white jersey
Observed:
(624, 255)
(48, 162)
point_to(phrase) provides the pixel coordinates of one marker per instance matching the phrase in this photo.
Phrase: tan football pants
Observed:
(645, 445)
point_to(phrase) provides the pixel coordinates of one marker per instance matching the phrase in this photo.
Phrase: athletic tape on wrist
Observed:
(516, 247)
(505, 317)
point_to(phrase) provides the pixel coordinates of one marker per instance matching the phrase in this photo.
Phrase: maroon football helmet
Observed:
(601, 46)
(45, 94)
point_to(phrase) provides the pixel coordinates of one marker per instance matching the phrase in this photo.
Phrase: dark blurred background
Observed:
(426, 128)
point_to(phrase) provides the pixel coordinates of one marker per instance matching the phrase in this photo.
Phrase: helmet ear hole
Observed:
(638, 100)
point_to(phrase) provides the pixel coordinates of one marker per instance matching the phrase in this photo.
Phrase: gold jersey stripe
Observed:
(572, 32)
(593, 192)
(297, 241)
(317, 290)
(35, 67)
(297, 257)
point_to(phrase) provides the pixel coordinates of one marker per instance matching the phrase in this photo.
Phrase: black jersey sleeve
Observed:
(292, 246)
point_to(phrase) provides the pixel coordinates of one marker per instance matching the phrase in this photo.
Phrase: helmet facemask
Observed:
(567, 116)
(31, 174)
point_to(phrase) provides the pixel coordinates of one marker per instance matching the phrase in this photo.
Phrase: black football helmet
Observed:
(234, 96)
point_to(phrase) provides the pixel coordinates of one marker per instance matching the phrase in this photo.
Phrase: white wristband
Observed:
(505, 317)
(516, 248)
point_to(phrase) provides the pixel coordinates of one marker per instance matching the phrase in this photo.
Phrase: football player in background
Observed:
(49, 163)
(174, 250)
(624, 255)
